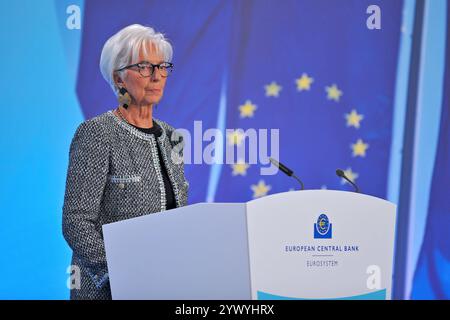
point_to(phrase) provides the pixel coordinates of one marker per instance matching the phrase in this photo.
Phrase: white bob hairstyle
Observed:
(123, 49)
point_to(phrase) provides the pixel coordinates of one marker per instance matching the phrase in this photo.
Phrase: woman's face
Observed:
(144, 90)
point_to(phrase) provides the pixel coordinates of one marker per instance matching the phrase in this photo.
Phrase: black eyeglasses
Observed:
(146, 69)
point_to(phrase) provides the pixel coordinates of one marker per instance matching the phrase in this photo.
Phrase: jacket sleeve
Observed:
(86, 179)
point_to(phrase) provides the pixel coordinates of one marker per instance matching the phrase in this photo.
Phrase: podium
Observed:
(314, 244)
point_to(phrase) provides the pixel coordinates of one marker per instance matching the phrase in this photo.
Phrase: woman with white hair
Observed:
(122, 163)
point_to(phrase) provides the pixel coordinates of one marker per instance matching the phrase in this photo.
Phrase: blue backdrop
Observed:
(432, 276)
(334, 88)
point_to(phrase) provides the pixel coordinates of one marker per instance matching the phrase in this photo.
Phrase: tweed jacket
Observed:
(114, 173)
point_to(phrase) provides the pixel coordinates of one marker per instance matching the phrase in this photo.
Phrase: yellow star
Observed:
(247, 109)
(240, 168)
(236, 137)
(304, 83)
(351, 175)
(333, 93)
(272, 89)
(261, 189)
(359, 148)
(353, 119)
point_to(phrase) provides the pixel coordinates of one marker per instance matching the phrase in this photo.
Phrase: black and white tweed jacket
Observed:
(114, 174)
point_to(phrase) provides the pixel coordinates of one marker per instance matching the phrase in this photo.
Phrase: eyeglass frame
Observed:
(150, 64)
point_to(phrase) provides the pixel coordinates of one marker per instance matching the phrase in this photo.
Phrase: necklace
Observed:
(121, 115)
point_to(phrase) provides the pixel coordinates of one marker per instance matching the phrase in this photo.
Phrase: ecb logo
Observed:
(323, 229)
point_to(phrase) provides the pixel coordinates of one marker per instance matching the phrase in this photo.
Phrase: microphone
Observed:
(341, 174)
(287, 171)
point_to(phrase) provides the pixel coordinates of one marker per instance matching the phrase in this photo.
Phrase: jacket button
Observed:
(121, 185)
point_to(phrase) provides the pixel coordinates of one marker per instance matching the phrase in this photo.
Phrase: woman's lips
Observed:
(153, 91)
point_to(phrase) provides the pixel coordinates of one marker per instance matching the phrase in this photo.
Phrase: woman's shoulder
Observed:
(95, 128)
(164, 125)
(172, 134)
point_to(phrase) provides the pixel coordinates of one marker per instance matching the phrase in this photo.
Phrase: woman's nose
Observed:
(156, 75)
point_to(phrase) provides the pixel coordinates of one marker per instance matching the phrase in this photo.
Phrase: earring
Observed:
(124, 97)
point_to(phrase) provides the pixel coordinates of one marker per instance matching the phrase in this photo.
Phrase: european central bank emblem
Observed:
(323, 229)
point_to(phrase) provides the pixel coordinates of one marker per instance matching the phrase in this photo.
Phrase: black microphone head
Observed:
(285, 170)
(282, 167)
(274, 162)
(340, 173)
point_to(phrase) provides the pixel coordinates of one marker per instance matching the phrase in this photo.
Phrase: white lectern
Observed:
(315, 244)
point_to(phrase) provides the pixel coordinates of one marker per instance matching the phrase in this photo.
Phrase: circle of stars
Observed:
(273, 90)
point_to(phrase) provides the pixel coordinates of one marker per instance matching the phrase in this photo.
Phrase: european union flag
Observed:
(316, 72)
(312, 69)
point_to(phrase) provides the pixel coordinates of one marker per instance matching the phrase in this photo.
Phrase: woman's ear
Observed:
(118, 80)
